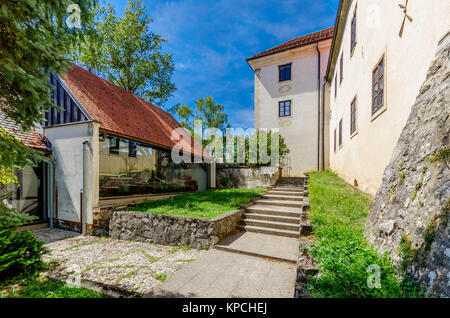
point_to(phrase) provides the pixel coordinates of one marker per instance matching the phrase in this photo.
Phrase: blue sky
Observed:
(210, 40)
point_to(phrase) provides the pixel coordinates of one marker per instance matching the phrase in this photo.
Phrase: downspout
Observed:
(82, 192)
(318, 105)
(50, 191)
(324, 82)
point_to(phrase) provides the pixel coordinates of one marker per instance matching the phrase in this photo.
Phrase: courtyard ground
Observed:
(134, 267)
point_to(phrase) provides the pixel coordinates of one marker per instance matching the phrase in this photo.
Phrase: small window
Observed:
(132, 147)
(335, 140)
(114, 146)
(353, 117)
(353, 33)
(285, 72)
(340, 133)
(335, 86)
(378, 86)
(341, 76)
(284, 108)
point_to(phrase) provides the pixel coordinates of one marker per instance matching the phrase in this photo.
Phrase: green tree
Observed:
(127, 53)
(211, 114)
(34, 41)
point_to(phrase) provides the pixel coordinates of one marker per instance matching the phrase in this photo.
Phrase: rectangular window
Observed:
(114, 146)
(340, 133)
(341, 76)
(132, 148)
(335, 86)
(335, 140)
(284, 108)
(285, 72)
(353, 33)
(378, 86)
(353, 117)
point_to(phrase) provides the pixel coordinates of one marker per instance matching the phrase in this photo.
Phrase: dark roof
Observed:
(299, 41)
(122, 112)
(31, 139)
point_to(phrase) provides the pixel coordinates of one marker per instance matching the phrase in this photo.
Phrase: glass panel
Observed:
(25, 196)
(139, 169)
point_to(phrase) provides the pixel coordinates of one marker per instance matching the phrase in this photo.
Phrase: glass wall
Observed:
(129, 168)
(26, 195)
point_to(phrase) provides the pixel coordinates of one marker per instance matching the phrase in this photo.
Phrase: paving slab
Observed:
(228, 275)
(262, 245)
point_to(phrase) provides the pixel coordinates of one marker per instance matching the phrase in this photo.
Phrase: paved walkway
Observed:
(220, 274)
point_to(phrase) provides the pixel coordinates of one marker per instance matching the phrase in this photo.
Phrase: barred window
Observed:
(353, 116)
(378, 86)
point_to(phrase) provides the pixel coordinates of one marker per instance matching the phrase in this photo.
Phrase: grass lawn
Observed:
(204, 204)
(338, 215)
(41, 287)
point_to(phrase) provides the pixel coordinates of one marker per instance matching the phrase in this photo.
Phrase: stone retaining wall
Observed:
(171, 229)
(229, 176)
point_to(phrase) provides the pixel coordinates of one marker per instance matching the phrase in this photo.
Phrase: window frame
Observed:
(341, 68)
(132, 149)
(382, 107)
(353, 113)
(279, 72)
(114, 150)
(284, 109)
(353, 32)
(335, 143)
(340, 133)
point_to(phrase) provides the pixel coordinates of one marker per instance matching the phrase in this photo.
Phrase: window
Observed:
(378, 86)
(335, 140)
(132, 147)
(341, 76)
(335, 86)
(353, 117)
(285, 72)
(353, 33)
(284, 108)
(114, 146)
(340, 133)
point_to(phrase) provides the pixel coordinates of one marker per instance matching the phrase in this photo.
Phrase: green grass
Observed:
(204, 204)
(338, 215)
(41, 287)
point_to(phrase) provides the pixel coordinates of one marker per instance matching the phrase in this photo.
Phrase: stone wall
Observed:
(409, 215)
(171, 229)
(229, 176)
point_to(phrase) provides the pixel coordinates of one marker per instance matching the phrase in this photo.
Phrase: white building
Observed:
(289, 96)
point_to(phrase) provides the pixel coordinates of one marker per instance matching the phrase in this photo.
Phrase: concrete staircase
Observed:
(279, 211)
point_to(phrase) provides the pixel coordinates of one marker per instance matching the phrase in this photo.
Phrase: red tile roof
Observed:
(299, 41)
(31, 139)
(122, 112)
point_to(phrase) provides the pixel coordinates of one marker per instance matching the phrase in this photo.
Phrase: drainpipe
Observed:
(50, 191)
(318, 106)
(82, 191)
(324, 82)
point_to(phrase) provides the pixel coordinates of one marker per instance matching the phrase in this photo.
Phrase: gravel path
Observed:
(133, 266)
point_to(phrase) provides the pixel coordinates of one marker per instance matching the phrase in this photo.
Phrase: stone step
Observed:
(272, 218)
(266, 230)
(291, 203)
(288, 188)
(281, 197)
(275, 210)
(272, 225)
(251, 253)
(282, 192)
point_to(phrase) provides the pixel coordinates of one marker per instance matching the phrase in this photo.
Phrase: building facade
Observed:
(380, 54)
(289, 96)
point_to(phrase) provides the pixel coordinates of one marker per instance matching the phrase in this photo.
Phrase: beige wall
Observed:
(364, 156)
(300, 130)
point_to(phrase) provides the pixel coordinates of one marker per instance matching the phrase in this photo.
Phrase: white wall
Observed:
(66, 141)
(364, 156)
(300, 130)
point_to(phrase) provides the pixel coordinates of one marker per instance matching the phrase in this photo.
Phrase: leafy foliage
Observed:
(338, 214)
(127, 53)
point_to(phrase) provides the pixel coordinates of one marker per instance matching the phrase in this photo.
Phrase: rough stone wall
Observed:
(409, 215)
(245, 177)
(171, 229)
